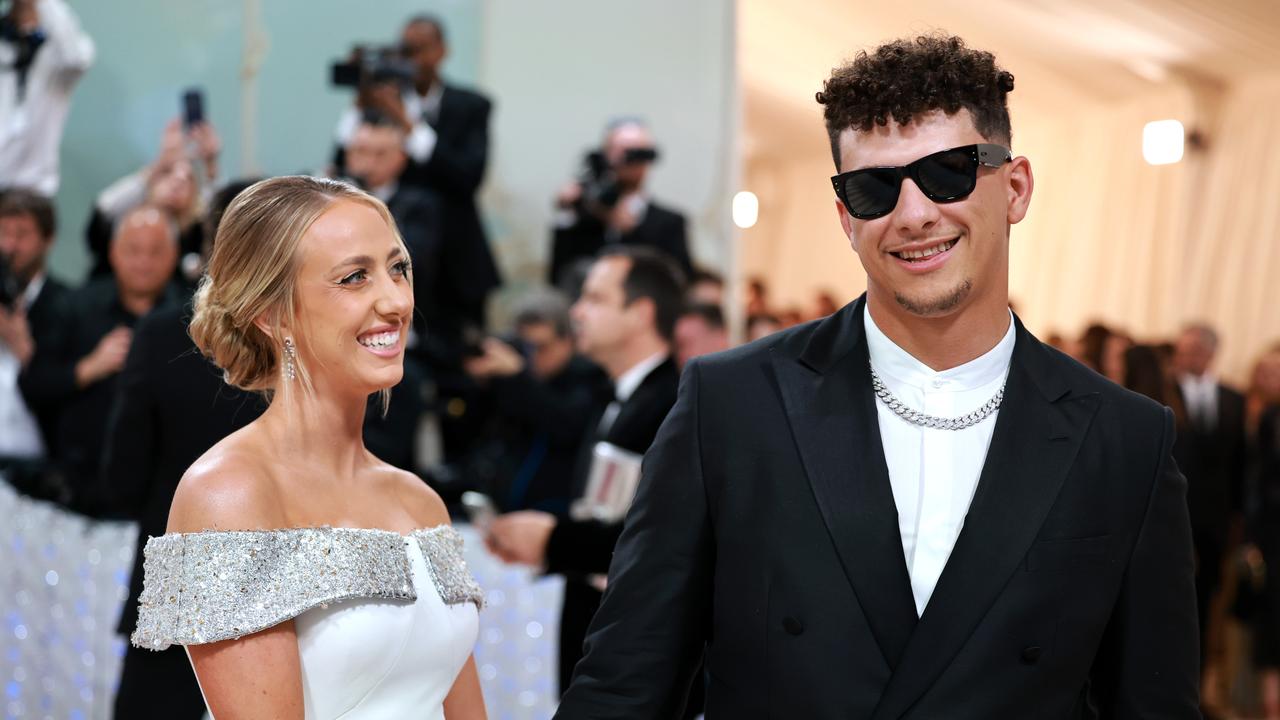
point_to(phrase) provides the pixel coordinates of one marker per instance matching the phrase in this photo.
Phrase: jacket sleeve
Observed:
(1148, 665)
(647, 639)
(460, 163)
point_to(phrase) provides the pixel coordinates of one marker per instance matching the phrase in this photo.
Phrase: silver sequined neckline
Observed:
(915, 417)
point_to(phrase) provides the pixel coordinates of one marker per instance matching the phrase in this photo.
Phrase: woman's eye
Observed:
(404, 267)
(354, 277)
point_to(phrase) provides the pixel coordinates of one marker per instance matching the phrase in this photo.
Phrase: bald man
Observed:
(84, 359)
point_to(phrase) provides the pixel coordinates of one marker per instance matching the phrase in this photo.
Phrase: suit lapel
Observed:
(831, 408)
(1037, 435)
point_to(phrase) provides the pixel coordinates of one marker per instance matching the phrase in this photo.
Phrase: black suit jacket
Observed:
(454, 172)
(46, 385)
(765, 530)
(1214, 462)
(170, 407)
(661, 228)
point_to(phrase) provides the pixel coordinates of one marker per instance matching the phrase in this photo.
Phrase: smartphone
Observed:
(192, 107)
(480, 509)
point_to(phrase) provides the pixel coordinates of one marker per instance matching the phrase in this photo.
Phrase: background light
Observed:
(1162, 142)
(746, 209)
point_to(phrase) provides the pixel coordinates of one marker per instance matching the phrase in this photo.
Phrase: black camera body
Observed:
(10, 286)
(371, 64)
(600, 188)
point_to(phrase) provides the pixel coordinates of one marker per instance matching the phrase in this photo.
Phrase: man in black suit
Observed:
(912, 508)
(612, 206)
(624, 321)
(32, 308)
(446, 131)
(1211, 453)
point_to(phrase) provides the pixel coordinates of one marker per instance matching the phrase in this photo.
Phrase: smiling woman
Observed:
(292, 554)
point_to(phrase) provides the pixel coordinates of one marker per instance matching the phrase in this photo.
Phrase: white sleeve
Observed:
(421, 142)
(72, 47)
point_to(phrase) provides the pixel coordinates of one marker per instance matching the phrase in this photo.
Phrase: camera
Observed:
(370, 64)
(600, 187)
(10, 286)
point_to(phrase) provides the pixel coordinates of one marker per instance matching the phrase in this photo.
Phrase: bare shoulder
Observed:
(228, 488)
(417, 498)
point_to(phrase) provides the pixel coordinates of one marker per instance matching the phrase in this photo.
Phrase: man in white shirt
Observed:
(911, 509)
(43, 53)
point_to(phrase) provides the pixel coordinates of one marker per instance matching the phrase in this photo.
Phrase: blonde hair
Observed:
(253, 273)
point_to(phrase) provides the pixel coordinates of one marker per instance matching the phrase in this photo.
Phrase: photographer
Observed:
(608, 204)
(446, 132)
(43, 52)
(32, 306)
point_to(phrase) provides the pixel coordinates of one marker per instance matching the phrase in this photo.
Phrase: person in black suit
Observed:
(447, 139)
(624, 321)
(612, 206)
(1211, 452)
(33, 306)
(77, 370)
(912, 508)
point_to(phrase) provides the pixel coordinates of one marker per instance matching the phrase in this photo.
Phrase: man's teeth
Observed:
(381, 340)
(927, 252)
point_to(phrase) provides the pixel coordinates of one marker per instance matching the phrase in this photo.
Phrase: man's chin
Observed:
(935, 304)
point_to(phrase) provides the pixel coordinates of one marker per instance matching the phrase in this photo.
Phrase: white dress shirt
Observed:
(625, 386)
(31, 125)
(19, 431)
(1200, 393)
(934, 473)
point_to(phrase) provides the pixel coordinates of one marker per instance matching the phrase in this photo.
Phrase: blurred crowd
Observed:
(104, 400)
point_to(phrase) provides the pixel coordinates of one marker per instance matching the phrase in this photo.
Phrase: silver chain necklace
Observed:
(915, 417)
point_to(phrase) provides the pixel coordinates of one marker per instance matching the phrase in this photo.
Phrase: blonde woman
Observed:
(307, 578)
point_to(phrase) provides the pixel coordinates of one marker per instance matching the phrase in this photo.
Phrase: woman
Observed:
(307, 578)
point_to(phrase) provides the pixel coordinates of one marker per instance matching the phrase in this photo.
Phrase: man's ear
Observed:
(1021, 183)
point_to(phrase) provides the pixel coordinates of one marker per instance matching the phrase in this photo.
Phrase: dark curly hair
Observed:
(906, 78)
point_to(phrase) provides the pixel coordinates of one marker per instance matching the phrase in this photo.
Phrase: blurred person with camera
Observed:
(77, 371)
(178, 181)
(608, 204)
(624, 322)
(446, 138)
(543, 393)
(31, 306)
(43, 53)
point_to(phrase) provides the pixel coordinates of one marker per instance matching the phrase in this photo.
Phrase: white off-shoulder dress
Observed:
(384, 621)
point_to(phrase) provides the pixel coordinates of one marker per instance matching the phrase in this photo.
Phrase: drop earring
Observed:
(290, 360)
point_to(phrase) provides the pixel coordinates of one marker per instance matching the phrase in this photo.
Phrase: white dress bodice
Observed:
(384, 621)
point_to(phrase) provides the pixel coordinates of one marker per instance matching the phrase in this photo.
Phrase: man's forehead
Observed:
(897, 144)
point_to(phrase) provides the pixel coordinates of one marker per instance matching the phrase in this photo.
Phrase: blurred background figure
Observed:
(700, 329)
(43, 53)
(706, 287)
(544, 394)
(178, 182)
(762, 325)
(609, 203)
(32, 304)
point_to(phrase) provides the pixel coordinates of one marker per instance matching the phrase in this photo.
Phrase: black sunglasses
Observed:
(944, 176)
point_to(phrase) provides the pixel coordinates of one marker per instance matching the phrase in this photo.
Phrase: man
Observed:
(446, 131)
(614, 206)
(78, 370)
(1210, 450)
(624, 321)
(700, 331)
(169, 407)
(30, 314)
(544, 394)
(43, 53)
(911, 509)
(375, 160)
